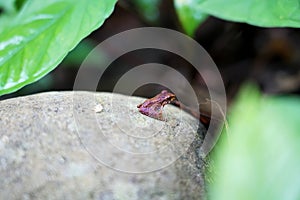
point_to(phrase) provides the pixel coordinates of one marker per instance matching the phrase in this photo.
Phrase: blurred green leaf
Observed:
(10, 6)
(276, 13)
(260, 157)
(97, 57)
(37, 38)
(19, 4)
(189, 15)
(149, 9)
(41, 85)
(7, 6)
(79, 53)
(7, 9)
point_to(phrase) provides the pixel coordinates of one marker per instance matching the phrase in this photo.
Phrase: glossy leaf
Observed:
(189, 15)
(260, 158)
(37, 38)
(275, 13)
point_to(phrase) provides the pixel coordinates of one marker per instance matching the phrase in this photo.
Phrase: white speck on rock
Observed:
(76, 169)
(5, 139)
(98, 108)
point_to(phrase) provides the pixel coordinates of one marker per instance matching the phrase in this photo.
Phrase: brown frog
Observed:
(153, 107)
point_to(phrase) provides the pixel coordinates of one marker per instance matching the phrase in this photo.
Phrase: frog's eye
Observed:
(172, 98)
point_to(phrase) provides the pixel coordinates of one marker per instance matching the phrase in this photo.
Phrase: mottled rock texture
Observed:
(57, 146)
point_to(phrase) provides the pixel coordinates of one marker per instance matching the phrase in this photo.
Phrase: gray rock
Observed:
(57, 146)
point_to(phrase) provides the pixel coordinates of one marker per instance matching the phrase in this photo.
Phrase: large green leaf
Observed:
(260, 158)
(37, 38)
(275, 13)
(189, 16)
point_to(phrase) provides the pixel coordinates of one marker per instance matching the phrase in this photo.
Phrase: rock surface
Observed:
(85, 145)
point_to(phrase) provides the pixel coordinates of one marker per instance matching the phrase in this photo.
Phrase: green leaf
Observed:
(189, 15)
(275, 13)
(37, 38)
(260, 157)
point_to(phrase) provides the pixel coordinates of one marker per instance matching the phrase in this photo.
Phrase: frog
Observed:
(153, 107)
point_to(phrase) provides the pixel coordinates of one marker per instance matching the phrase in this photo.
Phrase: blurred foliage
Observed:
(87, 52)
(277, 13)
(189, 15)
(19, 4)
(149, 9)
(37, 38)
(7, 6)
(7, 9)
(259, 157)
(79, 53)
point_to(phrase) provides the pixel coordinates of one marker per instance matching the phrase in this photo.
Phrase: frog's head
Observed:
(166, 97)
(153, 107)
